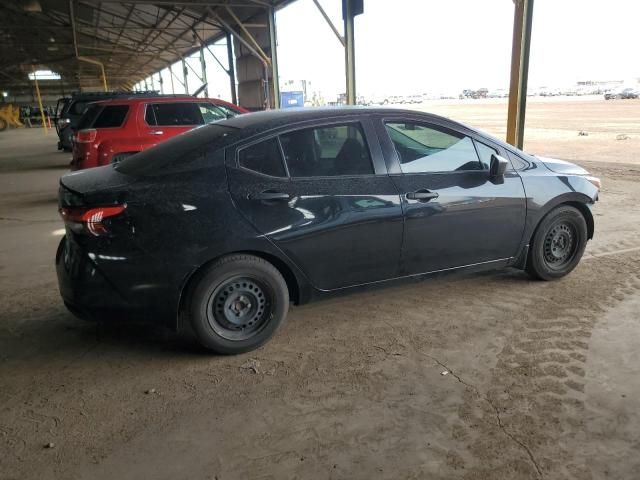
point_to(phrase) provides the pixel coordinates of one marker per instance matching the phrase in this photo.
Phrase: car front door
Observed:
(322, 195)
(456, 215)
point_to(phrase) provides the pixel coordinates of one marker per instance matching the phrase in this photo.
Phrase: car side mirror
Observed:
(498, 166)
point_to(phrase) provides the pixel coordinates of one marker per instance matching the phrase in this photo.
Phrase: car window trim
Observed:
(436, 126)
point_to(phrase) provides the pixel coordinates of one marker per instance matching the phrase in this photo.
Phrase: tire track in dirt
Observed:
(537, 385)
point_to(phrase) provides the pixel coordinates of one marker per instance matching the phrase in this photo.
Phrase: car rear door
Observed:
(321, 193)
(455, 214)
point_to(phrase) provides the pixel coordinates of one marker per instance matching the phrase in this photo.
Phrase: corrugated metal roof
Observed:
(133, 39)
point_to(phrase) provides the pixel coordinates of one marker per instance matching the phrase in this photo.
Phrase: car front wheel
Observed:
(558, 244)
(237, 304)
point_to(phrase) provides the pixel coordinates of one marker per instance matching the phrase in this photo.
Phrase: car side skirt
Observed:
(461, 270)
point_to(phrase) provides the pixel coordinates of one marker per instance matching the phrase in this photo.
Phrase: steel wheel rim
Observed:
(560, 245)
(239, 308)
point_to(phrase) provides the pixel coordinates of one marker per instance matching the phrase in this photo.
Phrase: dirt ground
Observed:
(490, 376)
(553, 125)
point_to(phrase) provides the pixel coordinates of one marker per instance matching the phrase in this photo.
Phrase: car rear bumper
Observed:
(82, 285)
(91, 294)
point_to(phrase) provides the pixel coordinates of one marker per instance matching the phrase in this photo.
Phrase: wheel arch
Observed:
(581, 204)
(294, 283)
(586, 213)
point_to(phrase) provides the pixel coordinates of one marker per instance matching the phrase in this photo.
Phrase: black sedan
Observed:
(224, 226)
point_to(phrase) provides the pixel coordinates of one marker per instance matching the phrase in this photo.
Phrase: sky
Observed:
(408, 47)
(432, 46)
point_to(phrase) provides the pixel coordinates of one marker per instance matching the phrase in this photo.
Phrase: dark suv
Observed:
(225, 224)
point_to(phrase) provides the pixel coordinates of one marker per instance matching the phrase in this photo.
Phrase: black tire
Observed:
(558, 243)
(237, 304)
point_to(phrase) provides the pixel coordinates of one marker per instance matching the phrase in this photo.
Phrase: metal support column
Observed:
(275, 80)
(184, 76)
(44, 122)
(522, 23)
(173, 88)
(349, 50)
(203, 65)
(232, 70)
(259, 54)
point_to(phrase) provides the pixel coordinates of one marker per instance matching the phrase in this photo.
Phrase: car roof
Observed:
(261, 122)
(160, 99)
(268, 119)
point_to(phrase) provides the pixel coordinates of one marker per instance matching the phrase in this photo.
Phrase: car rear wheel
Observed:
(558, 243)
(237, 304)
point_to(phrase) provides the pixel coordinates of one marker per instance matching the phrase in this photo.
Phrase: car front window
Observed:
(423, 149)
(213, 113)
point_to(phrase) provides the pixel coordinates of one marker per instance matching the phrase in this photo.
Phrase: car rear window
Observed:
(111, 116)
(89, 116)
(78, 108)
(173, 114)
(264, 157)
(180, 153)
(327, 151)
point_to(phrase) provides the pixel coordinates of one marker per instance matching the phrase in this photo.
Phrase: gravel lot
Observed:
(490, 376)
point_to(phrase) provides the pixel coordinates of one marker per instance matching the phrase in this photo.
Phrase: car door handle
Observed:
(156, 132)
(422, 195)
(267, 195)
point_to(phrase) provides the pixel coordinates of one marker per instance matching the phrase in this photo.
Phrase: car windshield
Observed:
(176, 153)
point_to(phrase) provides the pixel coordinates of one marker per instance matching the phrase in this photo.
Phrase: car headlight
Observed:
(595, 181)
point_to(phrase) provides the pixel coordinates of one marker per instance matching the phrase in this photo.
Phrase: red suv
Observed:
(112, 130)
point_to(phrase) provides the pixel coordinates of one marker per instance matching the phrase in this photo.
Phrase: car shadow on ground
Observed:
(58, 336)
(52, 332)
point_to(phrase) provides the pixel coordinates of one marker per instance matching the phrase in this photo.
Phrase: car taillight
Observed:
(89, 219)
(86, 136)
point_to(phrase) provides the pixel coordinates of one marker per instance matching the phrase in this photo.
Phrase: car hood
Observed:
(561, 166)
